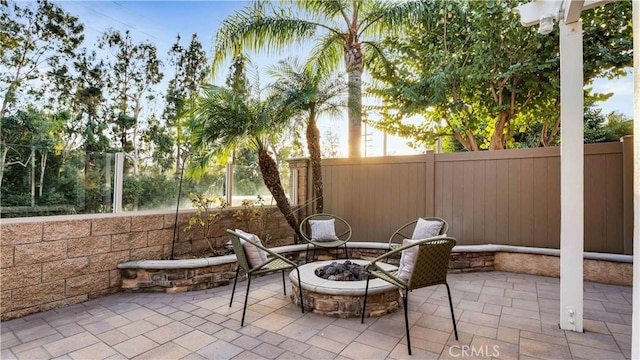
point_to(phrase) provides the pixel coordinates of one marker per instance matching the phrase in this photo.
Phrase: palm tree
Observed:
(341, 29)
(223, 118)
(311, 92)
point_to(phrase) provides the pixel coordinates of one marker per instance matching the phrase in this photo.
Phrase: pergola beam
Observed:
(530, 13)
(572, 11)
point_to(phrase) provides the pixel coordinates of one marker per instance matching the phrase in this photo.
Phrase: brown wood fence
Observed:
(509, 197)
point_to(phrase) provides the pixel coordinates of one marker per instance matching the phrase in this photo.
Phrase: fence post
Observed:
(430, 183)
(299, 184)
(117, 183)
(627, 194)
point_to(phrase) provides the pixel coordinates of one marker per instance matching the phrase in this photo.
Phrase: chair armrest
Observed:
(272, 255)
(395, 251)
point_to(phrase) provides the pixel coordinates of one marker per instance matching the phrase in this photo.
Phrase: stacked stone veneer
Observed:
(47, 262)
(178, 280)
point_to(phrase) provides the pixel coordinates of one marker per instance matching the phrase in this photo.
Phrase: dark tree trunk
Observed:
(271, 177)
(313, 145)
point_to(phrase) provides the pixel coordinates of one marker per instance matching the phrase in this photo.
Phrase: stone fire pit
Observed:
(343, 299)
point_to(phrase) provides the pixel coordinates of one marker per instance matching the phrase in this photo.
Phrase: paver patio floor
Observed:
(499, 314)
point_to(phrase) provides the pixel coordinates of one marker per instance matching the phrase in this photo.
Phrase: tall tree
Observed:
(78, 89)
(31, 40)
(190, 70)
(311, 93)
(26, 135)
(344, 31)
(476, 73)
(223, 119)
(133, 71)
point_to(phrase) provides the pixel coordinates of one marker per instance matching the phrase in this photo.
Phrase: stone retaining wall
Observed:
(48, 262)
(607, 272)
(221, 271)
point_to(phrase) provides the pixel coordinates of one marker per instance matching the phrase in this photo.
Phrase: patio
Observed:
(500, 314)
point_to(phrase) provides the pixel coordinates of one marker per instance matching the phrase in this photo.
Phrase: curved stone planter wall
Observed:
(185, 275)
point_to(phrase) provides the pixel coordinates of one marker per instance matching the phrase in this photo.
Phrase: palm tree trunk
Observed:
(313, 145)
(355, 66)
(354, 104)
(271, 177)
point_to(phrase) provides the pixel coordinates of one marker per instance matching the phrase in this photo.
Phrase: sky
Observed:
(161, 21)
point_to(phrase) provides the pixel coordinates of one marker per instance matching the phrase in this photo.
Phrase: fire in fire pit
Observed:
(346, 271)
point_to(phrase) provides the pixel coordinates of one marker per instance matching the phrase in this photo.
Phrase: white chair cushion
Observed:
(407, 259)
(255, 255)
(323, 230)
(426, 229)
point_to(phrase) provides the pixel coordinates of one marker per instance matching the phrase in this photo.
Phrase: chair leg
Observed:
(306, 259)
(300, 290)
(364, 304)
(405, 301)
(284, 287)
(234, 286)
(246, 298)
(453, 317)
(346, 252)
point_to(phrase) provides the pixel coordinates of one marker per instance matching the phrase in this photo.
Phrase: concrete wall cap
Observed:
(218, 260)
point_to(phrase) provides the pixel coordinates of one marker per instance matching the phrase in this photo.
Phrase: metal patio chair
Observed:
(275, 262)
(341, 232)
(430, 266)
(406, 231)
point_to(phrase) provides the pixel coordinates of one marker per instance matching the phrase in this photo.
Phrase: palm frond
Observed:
(392, 17)
(252, 29)
(375, 58)
(327, 54)
(326, 9)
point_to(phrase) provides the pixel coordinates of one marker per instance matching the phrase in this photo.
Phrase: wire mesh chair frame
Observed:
(405, 231)
(343, 232)
(430, 268)
(275, 262)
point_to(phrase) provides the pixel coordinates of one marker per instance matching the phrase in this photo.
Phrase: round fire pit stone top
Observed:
(312, 282)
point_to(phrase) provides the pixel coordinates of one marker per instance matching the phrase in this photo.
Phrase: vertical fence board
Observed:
(540, 202)
(479, 201)
(553, 200)
(527, 214)
(490, 208)
(467, 202)
(514, 195)
(457, 202)
(502, 210)
(614, 210)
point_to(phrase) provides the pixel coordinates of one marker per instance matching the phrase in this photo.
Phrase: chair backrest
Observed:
(432, 263)
(243, 262)
(343, 229)
(406, 231)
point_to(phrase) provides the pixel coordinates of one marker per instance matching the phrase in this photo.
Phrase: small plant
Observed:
(207, 214)
(255, 216)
